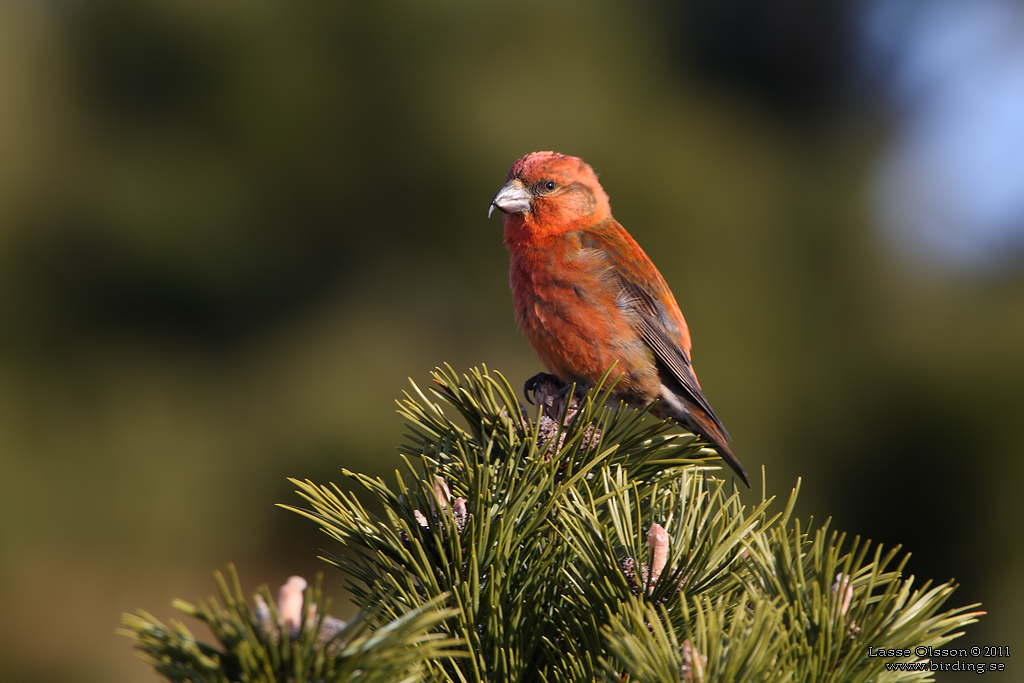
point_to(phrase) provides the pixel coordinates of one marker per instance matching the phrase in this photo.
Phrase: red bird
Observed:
(588, 297)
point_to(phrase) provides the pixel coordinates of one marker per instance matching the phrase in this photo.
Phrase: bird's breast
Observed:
(566, 303)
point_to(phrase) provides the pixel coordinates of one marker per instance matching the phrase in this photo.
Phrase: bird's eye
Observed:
(548, 185)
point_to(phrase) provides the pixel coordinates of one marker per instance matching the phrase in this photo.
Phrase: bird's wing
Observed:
(644, 293)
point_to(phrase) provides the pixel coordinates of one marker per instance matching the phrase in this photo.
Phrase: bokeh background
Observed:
(229, 231)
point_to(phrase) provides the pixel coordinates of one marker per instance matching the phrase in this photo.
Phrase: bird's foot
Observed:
(554, 398)
(557, 405)
(541, 385)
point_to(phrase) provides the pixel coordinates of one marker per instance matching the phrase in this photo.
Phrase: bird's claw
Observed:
(579, 391)
(530, 386)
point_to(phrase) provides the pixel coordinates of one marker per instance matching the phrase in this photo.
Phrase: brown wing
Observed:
(650, 301)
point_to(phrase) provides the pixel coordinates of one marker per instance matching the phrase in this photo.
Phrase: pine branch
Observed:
(260, 643)
(590, 543)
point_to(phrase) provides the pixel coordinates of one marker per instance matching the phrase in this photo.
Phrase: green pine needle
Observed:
(534, 552)
(251, 649)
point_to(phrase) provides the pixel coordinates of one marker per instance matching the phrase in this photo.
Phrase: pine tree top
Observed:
(590, 543)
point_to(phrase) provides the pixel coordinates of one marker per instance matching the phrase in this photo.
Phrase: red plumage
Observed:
(587, 296)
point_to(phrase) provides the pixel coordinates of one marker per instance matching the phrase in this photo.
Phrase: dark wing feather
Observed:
(641, 288)
(667, 351)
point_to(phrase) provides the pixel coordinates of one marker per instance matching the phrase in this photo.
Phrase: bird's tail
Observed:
(710, 431)
(695, 418)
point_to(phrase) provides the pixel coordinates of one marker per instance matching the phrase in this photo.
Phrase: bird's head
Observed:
(547, 192)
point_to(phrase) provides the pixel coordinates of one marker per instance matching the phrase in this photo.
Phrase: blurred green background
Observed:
(229, 231)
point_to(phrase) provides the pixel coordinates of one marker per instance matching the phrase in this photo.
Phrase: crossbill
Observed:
(587, 297)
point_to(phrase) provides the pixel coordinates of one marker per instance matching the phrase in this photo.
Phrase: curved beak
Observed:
(512, 198)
